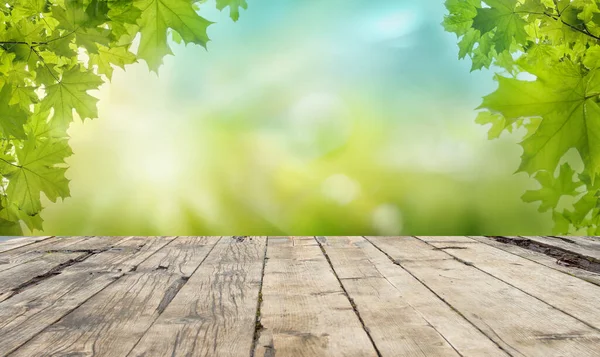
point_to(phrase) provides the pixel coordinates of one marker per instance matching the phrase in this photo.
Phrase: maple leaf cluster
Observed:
(44, 81)
(557, 44)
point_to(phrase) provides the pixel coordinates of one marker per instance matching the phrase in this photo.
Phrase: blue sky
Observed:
(396, 49)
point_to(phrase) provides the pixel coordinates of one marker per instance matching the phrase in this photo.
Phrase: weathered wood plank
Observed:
(47, 257)
(23, 254)
(446, 239)
(304, 310)
(542, 259)
(520, 323)
(214, 313)
(20, 242)
(125, 257)
(12, 279)
(404, 249)
(402, 315)
(569, 294)
(26, 314)
(582, 241)
(122, 312)
(576, 245)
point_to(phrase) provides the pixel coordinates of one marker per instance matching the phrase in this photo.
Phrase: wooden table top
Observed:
(300, 296)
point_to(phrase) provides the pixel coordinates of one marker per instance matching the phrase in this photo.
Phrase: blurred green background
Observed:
(338, 117)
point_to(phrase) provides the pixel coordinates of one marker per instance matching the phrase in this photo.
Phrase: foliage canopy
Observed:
(52, 52)
(547, 53)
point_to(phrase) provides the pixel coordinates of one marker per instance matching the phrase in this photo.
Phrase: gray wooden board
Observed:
(112, 321)
(47, 255)
(402, 315)
(10, 279)
(431, 296)
(542, 259)
(521, 324)
(28, 313)
(22, 254)
(20, 242)
(567, 293)
(582, 241)
(214, 312)
(304, 310)
(576, 245)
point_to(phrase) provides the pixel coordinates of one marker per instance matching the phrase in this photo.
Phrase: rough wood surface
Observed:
(124, 310)
(564, 292)
(403, 316)
(542, 259)
(521, 324)
(45, 258)
(592, 243)
(581, 246)
(304, 310)
(214, 313)
(29, 312)
(22, 254)
(12, 279)
(297, 296)
(20, 242)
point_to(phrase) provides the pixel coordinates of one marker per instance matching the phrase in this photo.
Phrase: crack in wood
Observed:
(320, 241)
(258, 327)
(240, 239)
(397, 262)
(170, 293)
(450, 247)
(52, 272)
(563, 256)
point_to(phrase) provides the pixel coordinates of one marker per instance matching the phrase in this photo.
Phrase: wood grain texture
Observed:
(11, 279)
(521, 324)
(214, 313)
(22, 254)
(45, 258)
(586, 242)
(542, 259)
(304, 309)
(20, 242)
(123, 311)
(446, 239)
(28, 313)
(403, 316)
(581, 246)
(335, 296)
(569, 294)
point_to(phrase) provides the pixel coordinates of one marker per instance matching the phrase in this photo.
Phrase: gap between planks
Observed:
(25, 315)
(520, 317)
(258, 338)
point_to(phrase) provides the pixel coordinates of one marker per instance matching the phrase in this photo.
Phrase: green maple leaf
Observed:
(566, 101)
(234, 7)
(553, 188)
(37, 170)
(160, 15)
(502, 18)
(44, 81)
(81, 23)
(69, 93)
(107, 57)
(498, 123)
(12, 117)
(28, 8)
(123, 12)
(460, 15)
(555, 42)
